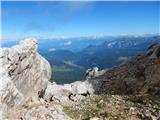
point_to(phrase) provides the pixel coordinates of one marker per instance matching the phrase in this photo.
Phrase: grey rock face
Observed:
(9, 94)
(68, 92)
(25, 73)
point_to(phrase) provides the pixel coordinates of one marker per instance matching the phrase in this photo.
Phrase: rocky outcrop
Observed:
(9, 94)
(94, 72)
(68, 93)
(139, 75)
(24, 73)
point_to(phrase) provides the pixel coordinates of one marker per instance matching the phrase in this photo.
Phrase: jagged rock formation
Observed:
(24, 73)
(139, 75)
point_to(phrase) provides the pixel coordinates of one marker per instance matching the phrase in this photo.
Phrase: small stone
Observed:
(94, 118)
(132, 110)
(42, 100)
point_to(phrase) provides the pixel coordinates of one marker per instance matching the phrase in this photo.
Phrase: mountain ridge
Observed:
(128, 91)
(139, 75)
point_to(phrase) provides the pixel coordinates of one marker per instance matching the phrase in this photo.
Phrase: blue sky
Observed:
(50, 19)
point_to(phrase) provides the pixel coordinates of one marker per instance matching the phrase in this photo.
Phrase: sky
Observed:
(67, 19)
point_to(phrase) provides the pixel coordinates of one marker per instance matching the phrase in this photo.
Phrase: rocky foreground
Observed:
(128, 92)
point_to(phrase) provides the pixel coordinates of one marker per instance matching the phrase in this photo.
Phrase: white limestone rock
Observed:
(68, 92)
(58, 93)
(25, 72)
(9, 94)
(80, 87)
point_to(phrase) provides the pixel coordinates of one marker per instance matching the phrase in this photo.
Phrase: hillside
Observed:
(128, 91)
(70, 61)
(110, 53)
(138, 75)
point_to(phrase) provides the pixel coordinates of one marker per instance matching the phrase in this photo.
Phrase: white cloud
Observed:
(52, 49)
(68, 43)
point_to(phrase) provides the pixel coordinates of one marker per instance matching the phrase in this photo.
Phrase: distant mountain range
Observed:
(125, 42)
(71, 57)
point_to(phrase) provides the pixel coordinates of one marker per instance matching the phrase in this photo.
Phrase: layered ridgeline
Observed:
(70, 57)
(129, 91)
(69, 62)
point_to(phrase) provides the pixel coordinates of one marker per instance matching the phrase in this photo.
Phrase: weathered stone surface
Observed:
(25, 73)
(9, 94)
(80, 87)
(57, 93)
(68, 92)
(3, 111)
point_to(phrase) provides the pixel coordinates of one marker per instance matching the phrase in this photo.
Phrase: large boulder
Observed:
(68, 92)
(25, 73)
